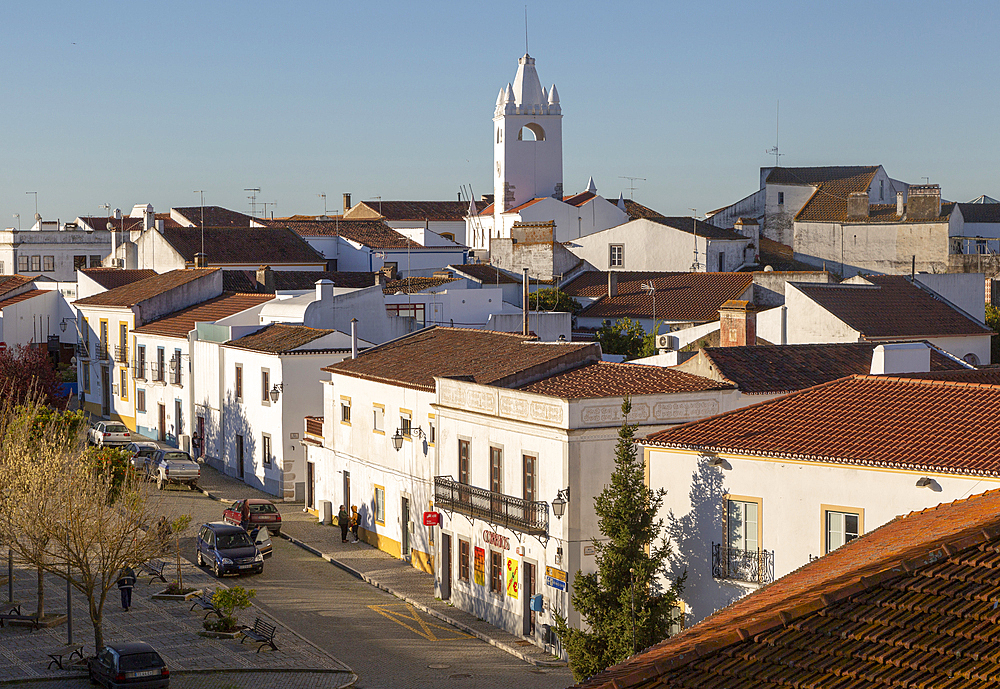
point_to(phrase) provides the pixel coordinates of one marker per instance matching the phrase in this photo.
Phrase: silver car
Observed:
(172, 466)
(141, 452)
(108, 434)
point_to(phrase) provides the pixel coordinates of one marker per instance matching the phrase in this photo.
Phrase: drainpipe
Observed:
(524, 304)
(354, 338)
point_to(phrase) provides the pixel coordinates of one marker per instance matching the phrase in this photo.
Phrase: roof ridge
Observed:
(902, 378)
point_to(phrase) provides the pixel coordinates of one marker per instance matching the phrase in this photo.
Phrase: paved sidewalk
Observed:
(375, 567)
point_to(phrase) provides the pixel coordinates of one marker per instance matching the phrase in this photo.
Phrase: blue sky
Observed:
(136, 102)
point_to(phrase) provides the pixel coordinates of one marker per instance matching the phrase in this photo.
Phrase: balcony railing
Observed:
(81, 350)
(314, 426)
(175, 374)
(100, 351)
(755, 566)
(139, 370)
(156, 370)
(497, 508)
(121, 354)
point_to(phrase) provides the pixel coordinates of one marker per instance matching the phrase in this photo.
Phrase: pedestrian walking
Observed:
(355, 522)
(245, 515)
(125, 583)
(344, 521)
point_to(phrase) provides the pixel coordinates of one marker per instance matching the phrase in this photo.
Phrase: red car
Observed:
(262, 513)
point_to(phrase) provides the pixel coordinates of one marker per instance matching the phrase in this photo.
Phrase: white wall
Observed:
(32, 320)
(61, 245)
(967, 291)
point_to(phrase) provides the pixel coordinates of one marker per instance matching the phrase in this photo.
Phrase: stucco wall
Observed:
(878, 247)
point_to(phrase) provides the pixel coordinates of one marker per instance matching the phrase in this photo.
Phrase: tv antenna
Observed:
(323, 196)
(696, 266)
(272, 204)
(202, 193)
(525, 29)
(253, 200)
(777, 122)
(631, 184)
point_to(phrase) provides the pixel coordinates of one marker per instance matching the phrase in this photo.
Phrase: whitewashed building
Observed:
(54, 250)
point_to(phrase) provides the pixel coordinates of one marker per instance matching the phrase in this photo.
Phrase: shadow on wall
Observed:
(692, 536)
(239, 447)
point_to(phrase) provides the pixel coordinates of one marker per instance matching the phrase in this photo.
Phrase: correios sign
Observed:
(496, 539)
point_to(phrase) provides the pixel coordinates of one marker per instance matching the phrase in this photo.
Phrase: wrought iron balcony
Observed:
(81, 350)
(528, 516)
(121, 354)
(175, 376)
(755, 566)
(156, 369)
(139, 370)
(100, 351)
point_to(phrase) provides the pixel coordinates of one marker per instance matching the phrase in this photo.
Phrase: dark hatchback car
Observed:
(228, 549)
(262, 513)
(136, 666)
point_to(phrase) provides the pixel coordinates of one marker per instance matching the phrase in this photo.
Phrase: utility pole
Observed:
(202, 192)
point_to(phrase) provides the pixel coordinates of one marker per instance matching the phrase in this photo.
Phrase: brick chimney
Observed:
(737, 324)
(265, 280)
(347, 203)
(923, 202)
(857, 205)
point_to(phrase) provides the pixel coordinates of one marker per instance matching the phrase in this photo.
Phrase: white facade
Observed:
(52, 250)
(35, 319)
(794, 501)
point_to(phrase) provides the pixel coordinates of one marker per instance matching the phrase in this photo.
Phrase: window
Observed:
(345, 410)
(22, 264)
(140, 399)
(239, 383)
(743, 524)
(86, 376)
(48, 263)
(140, 362)
(266, 449)
(161, 358)
(378, 419)
(463, 462)
(124, 383)
(265, 385)
(496, 572)
(463, 560)
(36, 264)
(496, 469)
(616, 255)
(881, 189)
(410, 310)
(448, 235)
(79, 262)
(530, 477)
(405, 423)
(431, 432)
(781, 198)
(95, 261)
(722, 261)
(841, 525)
(380, 505)
(175, 368)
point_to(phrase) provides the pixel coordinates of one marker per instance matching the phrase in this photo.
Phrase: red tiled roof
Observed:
(892, 307)
(167, 220)
(228, 245)
(480, 356)
(485, 273)
(704, 229)
(21, 297)
(8, 283)
(605, 379)
(413, 285)
(783, 368)
(422, 210)
(215, 216)
(821, 175)
(910, 604)
(180, 323)
(131, 294)
(579, 199)
(278, 338)
(245, 281)
(100, 222)
(371, 233)
(694, 297)
(637, 210)
(524, 205)
(923, 425)
(983, 376)
(109, 278)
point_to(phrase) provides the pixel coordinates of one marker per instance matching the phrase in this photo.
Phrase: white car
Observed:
(108, 434)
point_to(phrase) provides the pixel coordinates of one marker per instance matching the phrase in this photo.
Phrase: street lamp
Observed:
(559, 504)
(401, 433)
(275, 391)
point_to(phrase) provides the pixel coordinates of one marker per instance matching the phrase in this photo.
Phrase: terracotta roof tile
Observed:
(109, 278)
(482, 356)
(180, 323)
(418, 211)
(131, 294)
(372, 233)
(279, 338)
(485, 273)
(784, 368)
(413, 285)
(246, 280)
(9, 283)
(980, 212)
(820, 175)
(900, 606)
(704, 229)
(605, 379)
(692, 297)
(891, 307)
(983, 376)
(215, 216)
(923, 425)
(21, 297)
(227, 245)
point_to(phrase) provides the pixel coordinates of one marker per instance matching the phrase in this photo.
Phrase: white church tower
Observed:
(527, 136)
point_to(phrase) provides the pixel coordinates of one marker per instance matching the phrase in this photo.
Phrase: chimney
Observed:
(612, 283)
(201, 260)
(923, 202)
(902, 357)
(380, 279)
(324, 290)
(857, 204)
(354, 338)
(265, 280)
(347, 203)
(737, 324)
(900, 203)
(488, 198)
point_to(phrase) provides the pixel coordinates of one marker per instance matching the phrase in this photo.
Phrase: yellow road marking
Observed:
(410, 614)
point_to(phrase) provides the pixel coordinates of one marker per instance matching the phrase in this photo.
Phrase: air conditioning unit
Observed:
(667, 342)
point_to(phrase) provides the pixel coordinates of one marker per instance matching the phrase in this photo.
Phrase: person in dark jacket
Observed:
(344, 521)
(125, 583)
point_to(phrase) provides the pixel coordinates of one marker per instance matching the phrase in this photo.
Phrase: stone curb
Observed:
(430, 611)
(231, 671)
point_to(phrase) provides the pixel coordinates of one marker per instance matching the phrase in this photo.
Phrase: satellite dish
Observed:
(111, 227)
(38, 217)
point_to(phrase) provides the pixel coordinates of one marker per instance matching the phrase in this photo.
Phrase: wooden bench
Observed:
(261, 632)
(66, 652)
(12, 611)
(155, 570)
(205, 601)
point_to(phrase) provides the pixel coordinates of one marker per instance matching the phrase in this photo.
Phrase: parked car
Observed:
(108, 434)
(141, 452)
(134, 665)
(227, 549)
(262, 539)
(172, 466)
(262, 513)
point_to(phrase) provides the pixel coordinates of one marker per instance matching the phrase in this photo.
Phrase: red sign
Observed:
(496, 539)
(432, 518)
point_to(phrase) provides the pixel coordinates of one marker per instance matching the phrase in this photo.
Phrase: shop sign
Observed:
(496, 539)
(556, 578)
(512, 577)
(432, 518)
(480, 566)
